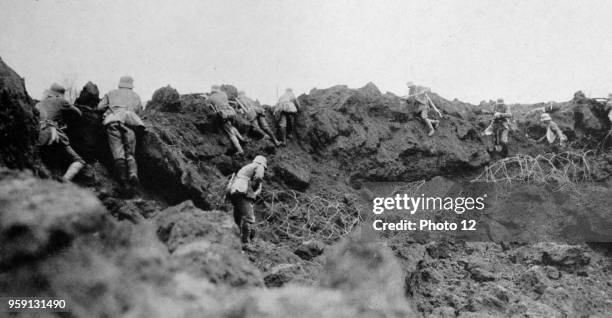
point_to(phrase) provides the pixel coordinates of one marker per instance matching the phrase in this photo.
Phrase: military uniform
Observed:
(245, 187)
(500, 125)
(419, 97)
(552, 130)
(122, 107)
(51, 135)
(227, 114)
(285, 110)
(255, 114)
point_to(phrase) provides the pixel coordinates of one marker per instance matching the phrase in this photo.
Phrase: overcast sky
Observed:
(525, 51)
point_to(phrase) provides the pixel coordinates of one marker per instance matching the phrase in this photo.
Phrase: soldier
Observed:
(500, 125)
(243, 189)
(51, 112)
(121, 107)
(419, 97)
(220, 103)
(256, 116)
(285, 110)
(552, 130)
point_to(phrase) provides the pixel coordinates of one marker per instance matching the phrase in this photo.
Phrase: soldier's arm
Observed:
(297, 104)
(557, 130)
(258, 175)
(103, 105)
(433, 106)
(139, 107)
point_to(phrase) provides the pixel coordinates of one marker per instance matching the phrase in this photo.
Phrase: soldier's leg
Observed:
(504, 136)
(291, 124)
(263, 124)
(248, 220)
(427, 121)
(115, 142)
(129, 146)
(236, 204)
(77, 163)
(256, 128)
(282, 124)
(230, 131)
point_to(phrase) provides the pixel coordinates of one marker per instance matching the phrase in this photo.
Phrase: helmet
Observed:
(57, 88)
(409, 84)
(241, 93)
(500, 100)
(289, 90)
(261, 160)
(215, 88)
(126, 82)
(545, 117)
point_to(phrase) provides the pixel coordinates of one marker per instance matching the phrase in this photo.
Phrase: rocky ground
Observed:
(173, 250)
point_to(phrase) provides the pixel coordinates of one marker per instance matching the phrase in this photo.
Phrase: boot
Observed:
(132, 169)
(236, 144)
(72, 171)
(269, 133)
(283, 136)
(245, 233)
(430, 126)
(121, 171)
(236, 133)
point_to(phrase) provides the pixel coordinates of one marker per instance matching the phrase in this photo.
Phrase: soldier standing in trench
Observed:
(285, 110)
(52, 125)
(256, 116)
(220, 103)
(244, 187)
(500, 125)
(552, 131)
(420, 98)
(121, 107)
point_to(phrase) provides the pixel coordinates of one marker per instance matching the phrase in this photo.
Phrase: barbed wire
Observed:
(300, 216)
(564, 169)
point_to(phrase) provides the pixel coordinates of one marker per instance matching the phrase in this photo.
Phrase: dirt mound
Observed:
(165, 99)
(18, 122)
(375, 137)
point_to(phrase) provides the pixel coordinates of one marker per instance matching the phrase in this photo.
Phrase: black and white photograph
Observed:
(324, 158)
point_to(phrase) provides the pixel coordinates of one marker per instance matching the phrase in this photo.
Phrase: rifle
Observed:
(413, 95)
(240, 105)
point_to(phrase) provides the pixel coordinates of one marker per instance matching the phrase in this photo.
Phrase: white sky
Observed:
(525, 51)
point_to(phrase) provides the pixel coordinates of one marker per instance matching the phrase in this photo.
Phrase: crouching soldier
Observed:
(552, 131)
(285, 111)
(243, 189)
(500, 125)
(220, 104)
(121, 107)
(256, 116)
(52, 125)
(423, 104)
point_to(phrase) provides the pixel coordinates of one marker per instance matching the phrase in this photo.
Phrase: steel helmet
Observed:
(261, 160)
(126, 82)
(57, 88)
(500, 100)
(545, 117)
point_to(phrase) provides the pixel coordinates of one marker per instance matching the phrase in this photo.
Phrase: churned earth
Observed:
(173, 250)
